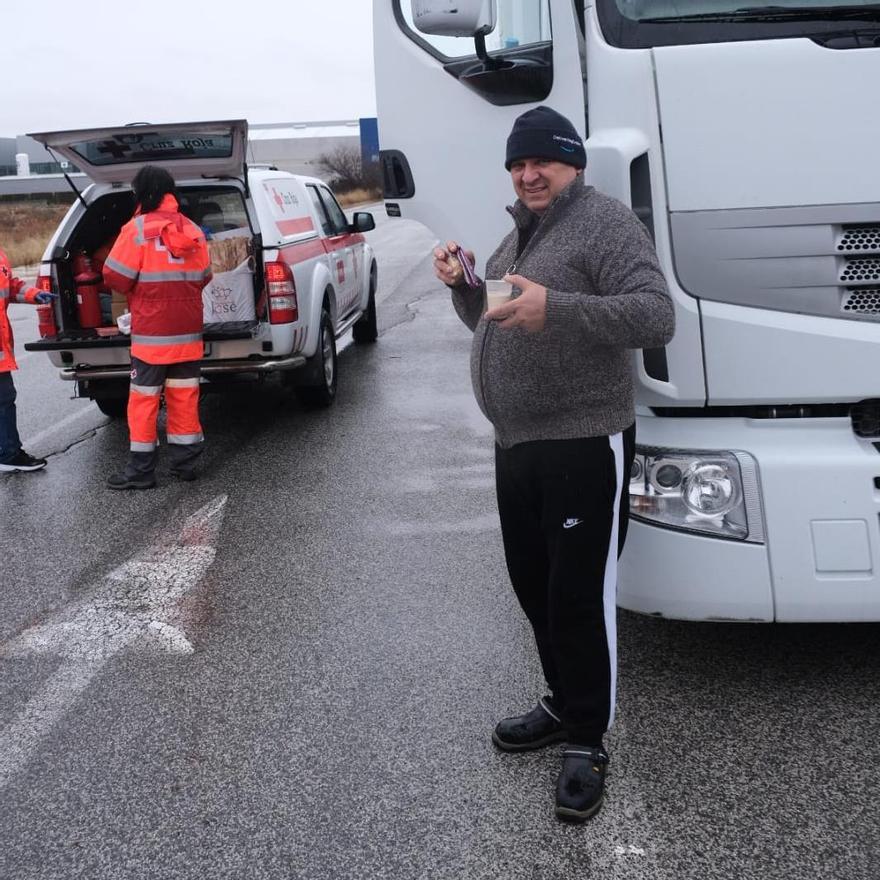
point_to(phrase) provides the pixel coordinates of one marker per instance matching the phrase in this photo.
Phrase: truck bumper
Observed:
(209, 368)
(820, 487)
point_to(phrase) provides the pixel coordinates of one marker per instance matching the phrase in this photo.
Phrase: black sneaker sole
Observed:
(567, 814)
(15, 468)
(549, 740)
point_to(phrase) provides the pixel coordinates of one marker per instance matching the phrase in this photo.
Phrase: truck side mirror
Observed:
(362, 222)
(465, 18)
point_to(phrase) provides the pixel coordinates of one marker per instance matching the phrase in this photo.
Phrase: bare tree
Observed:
(342, 165)
(344, 170)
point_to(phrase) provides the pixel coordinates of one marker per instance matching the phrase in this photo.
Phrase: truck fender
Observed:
(321, 283)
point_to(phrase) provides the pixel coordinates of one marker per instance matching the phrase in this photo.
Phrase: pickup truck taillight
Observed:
(282, 293)
(44, 282)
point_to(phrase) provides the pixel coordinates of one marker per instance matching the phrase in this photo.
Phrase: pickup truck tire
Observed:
(318, 386)
(115, 407)
(366, 328)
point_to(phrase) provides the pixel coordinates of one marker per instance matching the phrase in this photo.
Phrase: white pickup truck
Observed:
(303, 275)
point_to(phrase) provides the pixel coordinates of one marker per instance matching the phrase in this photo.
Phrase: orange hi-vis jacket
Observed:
(160, 261)
(15, 290)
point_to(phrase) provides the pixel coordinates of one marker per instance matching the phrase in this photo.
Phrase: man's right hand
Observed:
(447, 267)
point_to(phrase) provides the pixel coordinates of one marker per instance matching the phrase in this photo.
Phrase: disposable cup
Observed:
(498, 292)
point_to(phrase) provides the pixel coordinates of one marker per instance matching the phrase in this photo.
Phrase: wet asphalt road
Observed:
(302, 684)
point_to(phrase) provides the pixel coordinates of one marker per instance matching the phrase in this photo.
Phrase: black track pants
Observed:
(563, 507)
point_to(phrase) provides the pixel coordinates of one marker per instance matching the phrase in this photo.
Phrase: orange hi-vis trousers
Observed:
(180, 382)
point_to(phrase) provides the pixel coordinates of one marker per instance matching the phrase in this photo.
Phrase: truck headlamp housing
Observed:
(713, 493)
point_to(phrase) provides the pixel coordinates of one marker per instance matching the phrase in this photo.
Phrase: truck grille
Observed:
(860, 238)
(862, 300)
(866, 418)
(861, 270)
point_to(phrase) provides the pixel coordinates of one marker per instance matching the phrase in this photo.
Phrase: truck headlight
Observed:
(715, 493)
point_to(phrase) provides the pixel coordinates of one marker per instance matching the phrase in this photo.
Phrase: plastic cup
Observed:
(497, 293)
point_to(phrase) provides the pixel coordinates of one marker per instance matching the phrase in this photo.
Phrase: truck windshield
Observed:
(646, 23)
(653, 11)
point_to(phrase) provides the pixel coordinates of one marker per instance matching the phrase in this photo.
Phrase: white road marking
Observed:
(36, 439)
(136, 602)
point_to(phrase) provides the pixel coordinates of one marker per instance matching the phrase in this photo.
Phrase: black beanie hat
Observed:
(543, 133)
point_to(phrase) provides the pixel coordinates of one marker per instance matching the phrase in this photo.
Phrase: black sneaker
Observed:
(581, 783)
(23, 462)
(534, 730)
(120, 481)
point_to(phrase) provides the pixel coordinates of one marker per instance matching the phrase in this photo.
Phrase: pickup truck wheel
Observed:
(366, 329)
(323, 366)
(115, 407)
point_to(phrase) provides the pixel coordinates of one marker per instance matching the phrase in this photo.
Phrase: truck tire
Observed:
(318, 388)
(115, 407)
(366, 329)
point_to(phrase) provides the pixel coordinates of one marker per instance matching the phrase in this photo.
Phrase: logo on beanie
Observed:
(564, 140)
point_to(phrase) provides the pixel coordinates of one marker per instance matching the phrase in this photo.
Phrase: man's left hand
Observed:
(528, 310)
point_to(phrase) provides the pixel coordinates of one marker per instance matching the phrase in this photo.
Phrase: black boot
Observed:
(122, 481)
(581, 783)
(534, 730)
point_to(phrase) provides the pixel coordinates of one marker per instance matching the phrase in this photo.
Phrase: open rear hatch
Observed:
(187, 150)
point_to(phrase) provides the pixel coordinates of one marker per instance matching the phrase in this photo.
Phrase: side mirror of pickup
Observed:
(363, 222)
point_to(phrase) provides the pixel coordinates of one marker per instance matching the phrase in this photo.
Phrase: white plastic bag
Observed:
(229, 297)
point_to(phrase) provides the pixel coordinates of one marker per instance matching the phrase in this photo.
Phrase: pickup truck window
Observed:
(326, 225)
(332, 217)
(334, 212)
(215, 210)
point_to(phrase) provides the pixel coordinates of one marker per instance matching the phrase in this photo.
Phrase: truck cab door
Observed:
(444, 115)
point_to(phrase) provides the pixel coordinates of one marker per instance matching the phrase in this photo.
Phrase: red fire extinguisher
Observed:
(88, 283)
(88, 302)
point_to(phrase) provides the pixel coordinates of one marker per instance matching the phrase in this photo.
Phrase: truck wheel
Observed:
(319, 389)
(366, 329)
(115, 407)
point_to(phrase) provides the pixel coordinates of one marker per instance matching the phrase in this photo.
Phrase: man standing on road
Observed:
(12, 456)
(160, 261)
(551, 370)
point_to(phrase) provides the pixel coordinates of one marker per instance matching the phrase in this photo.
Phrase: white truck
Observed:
(304, 273)
(739, 134)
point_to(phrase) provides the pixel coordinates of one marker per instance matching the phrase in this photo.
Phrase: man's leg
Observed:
(143, 412)
(581, 524)
(185, 437)
(525, 551)
(10, 444)
(12, 456)
(580, 520)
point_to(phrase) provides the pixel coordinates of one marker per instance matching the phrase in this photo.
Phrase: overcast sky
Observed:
(85, 63)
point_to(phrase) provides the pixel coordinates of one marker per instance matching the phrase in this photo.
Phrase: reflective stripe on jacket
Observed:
(160, 261)
(12, 289)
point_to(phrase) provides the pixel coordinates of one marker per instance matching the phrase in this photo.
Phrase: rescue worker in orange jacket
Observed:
(12, 289)
(160, 261)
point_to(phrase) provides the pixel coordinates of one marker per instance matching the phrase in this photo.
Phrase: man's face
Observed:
(538, 181)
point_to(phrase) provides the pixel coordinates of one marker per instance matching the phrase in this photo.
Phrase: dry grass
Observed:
(358, 197)
(26, 227)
